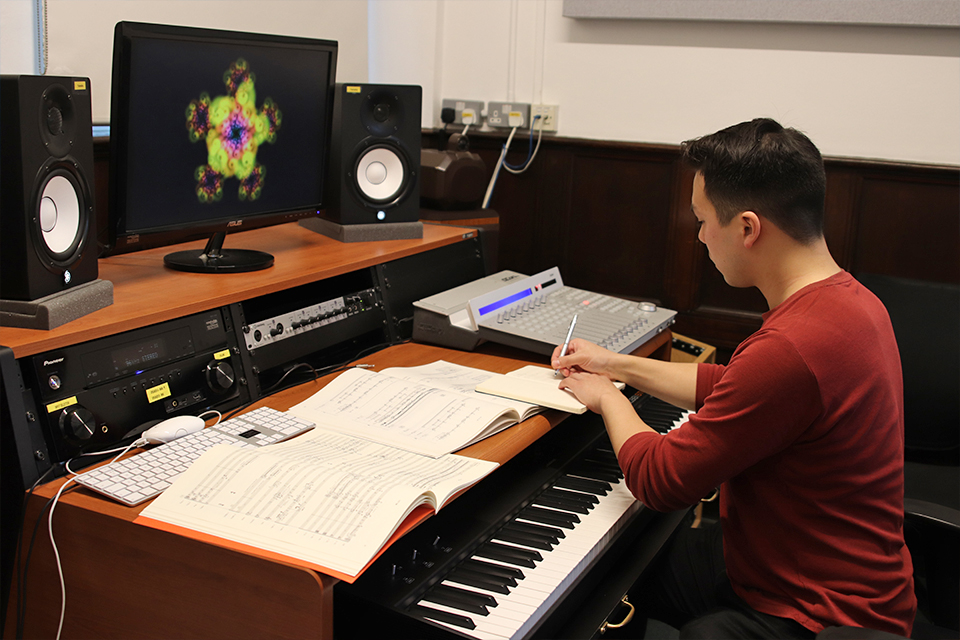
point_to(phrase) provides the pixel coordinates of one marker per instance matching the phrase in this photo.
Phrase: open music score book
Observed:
(324, 500)
(432, 409)
(534, 384)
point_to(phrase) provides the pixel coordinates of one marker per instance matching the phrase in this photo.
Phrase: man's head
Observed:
(762, 167)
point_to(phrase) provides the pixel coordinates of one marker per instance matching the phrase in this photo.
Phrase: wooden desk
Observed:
(125, 580)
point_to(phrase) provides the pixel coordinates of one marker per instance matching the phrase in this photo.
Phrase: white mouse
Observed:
(173, 428)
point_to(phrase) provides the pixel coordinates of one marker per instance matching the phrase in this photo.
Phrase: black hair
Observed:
(763, 167)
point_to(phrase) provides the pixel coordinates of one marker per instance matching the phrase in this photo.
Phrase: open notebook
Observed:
(537, 385)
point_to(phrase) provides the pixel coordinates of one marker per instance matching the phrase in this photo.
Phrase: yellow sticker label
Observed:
(158, 392)
(79, 85)
(352, 89)
(62, 404)
(222, 355)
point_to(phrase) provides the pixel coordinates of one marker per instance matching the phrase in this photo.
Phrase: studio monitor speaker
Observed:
(47, 224)
(375, 154)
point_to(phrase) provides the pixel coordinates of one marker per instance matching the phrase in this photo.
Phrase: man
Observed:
(802, 430)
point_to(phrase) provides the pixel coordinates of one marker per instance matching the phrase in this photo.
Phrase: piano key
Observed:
(479, 566)
(564, 505)
(509, 554)
(495, 584)
(538, 529)
(586, 498)
(527, 540)
(457, 598)
(549, 516)
(597, 487)
(432, 613)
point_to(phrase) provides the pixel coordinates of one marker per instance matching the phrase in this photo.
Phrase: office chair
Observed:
(926, 321)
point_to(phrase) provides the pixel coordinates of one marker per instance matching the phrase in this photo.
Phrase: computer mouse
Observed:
(173, 428)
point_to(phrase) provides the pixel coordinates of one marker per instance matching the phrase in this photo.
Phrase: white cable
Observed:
(533, 155)
(496, 169)
(56, 552)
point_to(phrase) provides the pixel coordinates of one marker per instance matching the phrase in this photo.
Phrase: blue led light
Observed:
(493, 306)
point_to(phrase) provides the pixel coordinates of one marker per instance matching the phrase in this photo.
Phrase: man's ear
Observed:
(750, 227)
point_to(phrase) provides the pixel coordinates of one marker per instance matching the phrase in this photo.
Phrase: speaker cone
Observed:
(381, 174)
(61, 214)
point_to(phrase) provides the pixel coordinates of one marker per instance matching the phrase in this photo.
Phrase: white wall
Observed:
(80, 32)
(870, 92)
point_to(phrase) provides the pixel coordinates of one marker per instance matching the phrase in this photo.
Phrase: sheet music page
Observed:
(457, 377)
(327, 498)
(394, 411)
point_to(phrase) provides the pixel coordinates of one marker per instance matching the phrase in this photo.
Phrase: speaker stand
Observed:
(56, 309)
(364, 232)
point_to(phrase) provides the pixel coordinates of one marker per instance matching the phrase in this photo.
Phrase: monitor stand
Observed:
(215, 259)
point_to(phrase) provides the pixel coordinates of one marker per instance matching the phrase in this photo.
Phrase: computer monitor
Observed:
(214, 131)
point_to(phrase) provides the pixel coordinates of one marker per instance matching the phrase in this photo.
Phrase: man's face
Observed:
(724, 243)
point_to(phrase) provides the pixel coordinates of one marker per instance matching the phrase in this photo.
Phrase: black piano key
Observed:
(539, 529)
(597, 487)
(585, 498)
(488, 568)
(598, 471)
(509, 555)
(442, 616)
(525, 539)
(461, 599)
(565, 505)
(480, 581)
(549, 516)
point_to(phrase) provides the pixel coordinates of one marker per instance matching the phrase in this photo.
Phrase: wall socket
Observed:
(508, 114)
(469, 109)
(549, 114)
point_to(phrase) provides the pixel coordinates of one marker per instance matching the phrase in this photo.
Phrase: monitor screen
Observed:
(213, 131)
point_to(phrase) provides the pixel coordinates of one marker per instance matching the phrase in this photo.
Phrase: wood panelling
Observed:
(615, 217)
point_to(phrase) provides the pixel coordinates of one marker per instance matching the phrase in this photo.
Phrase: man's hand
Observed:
(583, 356)
(590, 389)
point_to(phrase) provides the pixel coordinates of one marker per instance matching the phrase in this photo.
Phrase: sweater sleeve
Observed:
(750, 409)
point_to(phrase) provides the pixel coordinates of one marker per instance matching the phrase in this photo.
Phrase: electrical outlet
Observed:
(508, 114)
(465, 111)
(549, 113)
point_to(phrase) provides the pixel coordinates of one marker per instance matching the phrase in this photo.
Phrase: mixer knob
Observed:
(78, 423)
(220, 376)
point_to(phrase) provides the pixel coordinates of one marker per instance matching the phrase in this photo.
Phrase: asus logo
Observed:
(47, 363)
(234, 223)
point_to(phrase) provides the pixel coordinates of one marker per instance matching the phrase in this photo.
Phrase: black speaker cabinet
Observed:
(375, 154)
(47, 224)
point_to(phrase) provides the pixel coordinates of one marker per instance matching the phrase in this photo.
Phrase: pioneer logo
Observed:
(47, 363)
(234, 223)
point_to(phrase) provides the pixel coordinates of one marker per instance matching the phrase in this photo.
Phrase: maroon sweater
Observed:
(803, 432)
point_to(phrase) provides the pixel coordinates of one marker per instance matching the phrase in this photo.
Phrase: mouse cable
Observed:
(53, 543)
(21, 578)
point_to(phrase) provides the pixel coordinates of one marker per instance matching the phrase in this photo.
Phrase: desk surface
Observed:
(145, 292)
(112, 566)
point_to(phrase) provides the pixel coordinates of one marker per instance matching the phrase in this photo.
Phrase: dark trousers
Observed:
(688, 589)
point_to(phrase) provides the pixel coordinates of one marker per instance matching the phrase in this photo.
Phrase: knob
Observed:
(220, 376)
(77, 423)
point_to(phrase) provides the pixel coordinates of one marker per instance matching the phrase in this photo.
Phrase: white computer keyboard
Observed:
(147, 474)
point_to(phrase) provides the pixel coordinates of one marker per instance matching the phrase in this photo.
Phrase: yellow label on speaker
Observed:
(351, 89)
(222, 355)
(62, 404)
(158, 392)
(79, 85)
